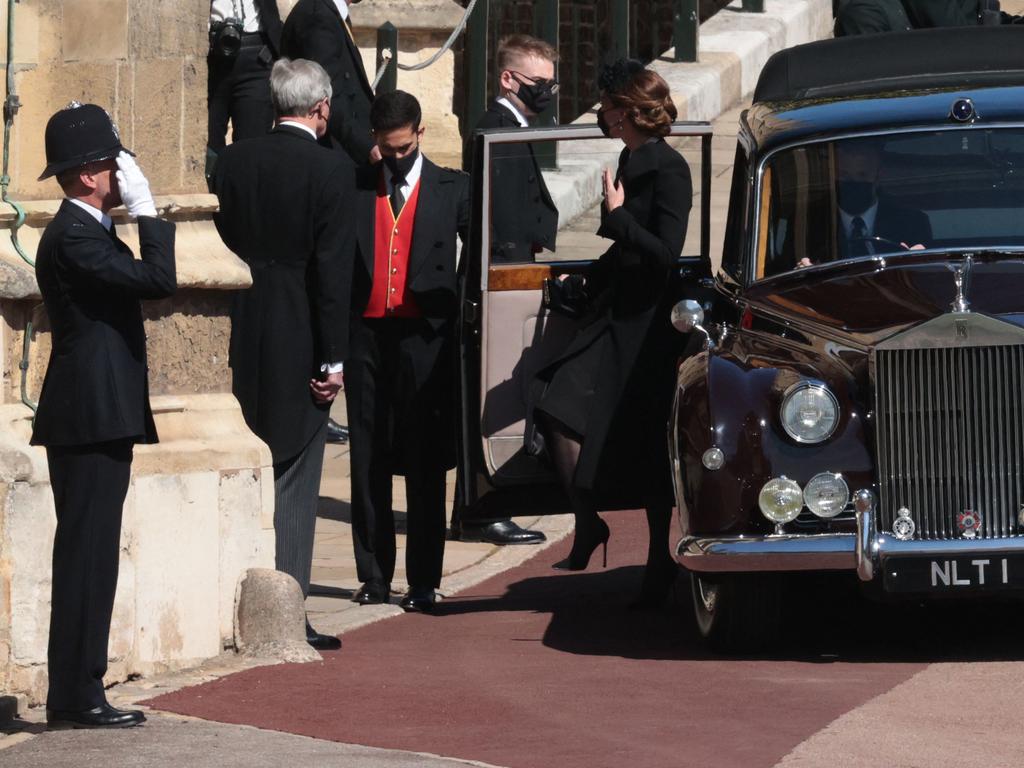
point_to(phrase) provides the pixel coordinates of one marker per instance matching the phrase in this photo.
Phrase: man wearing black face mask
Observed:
(524, 218)
(400, 373)
(870, 222)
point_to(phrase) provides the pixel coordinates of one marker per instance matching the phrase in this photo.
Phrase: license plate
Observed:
(954, 574)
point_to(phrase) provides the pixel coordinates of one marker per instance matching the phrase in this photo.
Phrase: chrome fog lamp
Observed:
(826, 494)
(713, 458)
(810, 412)
(781, 500)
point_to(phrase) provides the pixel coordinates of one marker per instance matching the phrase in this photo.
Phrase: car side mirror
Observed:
(688, 315)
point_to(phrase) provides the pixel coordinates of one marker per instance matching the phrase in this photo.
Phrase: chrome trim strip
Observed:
(570, 132)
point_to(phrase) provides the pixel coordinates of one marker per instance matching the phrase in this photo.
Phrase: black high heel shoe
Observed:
(658, 583)
(583, 546)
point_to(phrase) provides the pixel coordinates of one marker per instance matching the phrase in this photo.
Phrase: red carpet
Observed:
(534, 668)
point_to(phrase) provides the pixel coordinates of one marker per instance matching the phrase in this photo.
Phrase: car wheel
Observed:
(738, 612)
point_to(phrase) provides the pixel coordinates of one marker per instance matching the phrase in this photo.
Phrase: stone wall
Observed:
(143, 60)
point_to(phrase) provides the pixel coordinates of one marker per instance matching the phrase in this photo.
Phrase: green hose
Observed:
(11, 106)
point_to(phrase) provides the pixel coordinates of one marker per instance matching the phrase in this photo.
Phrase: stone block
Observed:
(270, 617)
(28, 535)
(194, 133)
(157, 121)
(26, 34)
(95, 30)
(174, 542)
(159, 29)
(245, 541)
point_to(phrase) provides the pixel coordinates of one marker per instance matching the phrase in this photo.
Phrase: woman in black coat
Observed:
(606, 399)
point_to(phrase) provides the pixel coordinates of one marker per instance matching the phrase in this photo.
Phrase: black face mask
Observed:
(400, 166)
(856, 196)
(536, 97)
(602, 123)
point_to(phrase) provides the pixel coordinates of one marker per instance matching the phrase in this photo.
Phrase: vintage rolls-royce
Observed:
(859, 402)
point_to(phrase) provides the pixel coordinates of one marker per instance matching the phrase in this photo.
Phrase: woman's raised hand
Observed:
(614, 194)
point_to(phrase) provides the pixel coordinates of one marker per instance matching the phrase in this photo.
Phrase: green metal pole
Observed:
(387, 37)
(686, 29)
(620, 28)
(476, 69)
(546, 28)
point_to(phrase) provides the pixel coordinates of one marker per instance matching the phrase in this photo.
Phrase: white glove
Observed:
(134, 187)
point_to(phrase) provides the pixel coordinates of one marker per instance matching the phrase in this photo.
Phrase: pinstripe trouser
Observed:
(296, 495)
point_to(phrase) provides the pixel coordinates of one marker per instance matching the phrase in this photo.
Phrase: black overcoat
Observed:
(96, 387)
(315, 30)
(524, 218)
(442, 219)
(631, 298)
(270, 20)
(286, 210)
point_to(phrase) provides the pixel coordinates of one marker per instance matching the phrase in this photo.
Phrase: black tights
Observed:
(564, 446)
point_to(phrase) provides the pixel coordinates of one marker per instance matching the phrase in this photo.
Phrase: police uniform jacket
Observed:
(315, 30)
(524, 218)
(286, 210)
(96, 387)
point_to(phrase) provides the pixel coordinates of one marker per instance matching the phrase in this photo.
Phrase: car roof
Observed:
(888, 81)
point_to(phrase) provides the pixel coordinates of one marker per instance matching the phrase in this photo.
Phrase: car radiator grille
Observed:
(950, 432)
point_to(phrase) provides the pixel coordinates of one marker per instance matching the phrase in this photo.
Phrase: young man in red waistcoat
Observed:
(400, 374)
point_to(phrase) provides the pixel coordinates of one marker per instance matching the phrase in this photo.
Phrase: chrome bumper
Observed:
(862, 552)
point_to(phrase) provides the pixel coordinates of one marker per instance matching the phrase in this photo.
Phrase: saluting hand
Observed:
(134, 187)
(614, 194)
(326, 389)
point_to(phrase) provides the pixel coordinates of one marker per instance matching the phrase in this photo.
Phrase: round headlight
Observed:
(810, 413)
(713, 458)
(826, 494)
(780, 500)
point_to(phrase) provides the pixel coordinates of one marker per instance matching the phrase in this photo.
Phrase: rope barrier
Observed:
(387, 55)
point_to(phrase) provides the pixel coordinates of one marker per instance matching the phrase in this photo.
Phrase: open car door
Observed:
(525, 230)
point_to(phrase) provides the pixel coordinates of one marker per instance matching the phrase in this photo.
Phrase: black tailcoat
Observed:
(524, 218)
(400, 382)
(314, 30)
(286, 210)
(631, 291)
(96, 387)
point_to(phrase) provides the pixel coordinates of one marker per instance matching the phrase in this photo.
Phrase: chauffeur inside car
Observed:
(869, 221)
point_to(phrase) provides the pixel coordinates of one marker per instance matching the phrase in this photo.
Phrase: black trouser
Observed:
(239, 89)
(89, 484)
(394, 385)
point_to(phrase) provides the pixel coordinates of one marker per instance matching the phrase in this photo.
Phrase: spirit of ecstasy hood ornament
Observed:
(962, 278)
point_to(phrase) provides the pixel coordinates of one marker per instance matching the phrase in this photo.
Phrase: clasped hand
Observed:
(326, 389)
(614, 194)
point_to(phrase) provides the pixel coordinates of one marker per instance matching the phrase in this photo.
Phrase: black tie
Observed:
(858, 234)
(397, 198)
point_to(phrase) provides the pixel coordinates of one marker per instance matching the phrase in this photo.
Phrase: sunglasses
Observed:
(552, 84)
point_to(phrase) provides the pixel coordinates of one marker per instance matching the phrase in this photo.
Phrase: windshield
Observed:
(856, 197)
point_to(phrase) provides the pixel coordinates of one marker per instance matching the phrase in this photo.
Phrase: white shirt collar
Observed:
(96, 213)
(523, 123)
(294, 124)
(342, 8)
(868, 217)
(412, 178)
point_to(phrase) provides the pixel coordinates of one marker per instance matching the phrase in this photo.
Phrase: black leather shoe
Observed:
(419, 600)
(373, 593)
(336, 433)
(501, 532)
(103, 716)
(322, 642)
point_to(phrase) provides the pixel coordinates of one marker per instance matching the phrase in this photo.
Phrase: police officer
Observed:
(94, 405)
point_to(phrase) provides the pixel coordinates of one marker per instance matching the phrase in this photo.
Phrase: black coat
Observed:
(314, 30)
(630, 289)
(442, 218)
(523, 215)
(286, 210)
(96, 387)
(270, 20)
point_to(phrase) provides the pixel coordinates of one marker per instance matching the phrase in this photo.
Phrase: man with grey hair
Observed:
(285, 209)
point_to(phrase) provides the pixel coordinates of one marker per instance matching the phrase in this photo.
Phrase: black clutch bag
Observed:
(566, 296)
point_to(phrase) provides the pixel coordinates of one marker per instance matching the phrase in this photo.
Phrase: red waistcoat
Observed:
(392, 244)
